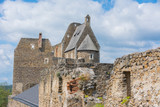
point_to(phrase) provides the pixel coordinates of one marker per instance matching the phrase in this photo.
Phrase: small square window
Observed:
(46, 60)
(32, 46)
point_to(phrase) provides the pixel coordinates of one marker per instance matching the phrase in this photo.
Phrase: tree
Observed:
(4, 95)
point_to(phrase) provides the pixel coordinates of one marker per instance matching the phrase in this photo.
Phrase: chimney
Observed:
(40, 40)
(87, 20)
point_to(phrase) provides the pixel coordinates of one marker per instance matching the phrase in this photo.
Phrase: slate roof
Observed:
(75, 37)
(87, 44)
(29, 97)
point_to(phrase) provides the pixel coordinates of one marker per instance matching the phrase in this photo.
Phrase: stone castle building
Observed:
(33, 55)
(79, 42)
(69, 74)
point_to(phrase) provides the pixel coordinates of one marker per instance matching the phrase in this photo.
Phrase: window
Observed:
(68, 36)
(91, 57)
(46, 60)
(126, 83)
(52, 52)
(78, 32)
(51, 82)
(32, 46)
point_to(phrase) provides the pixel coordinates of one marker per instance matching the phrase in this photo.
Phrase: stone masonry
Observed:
(91, 78)
(136, 75)
(29, 60)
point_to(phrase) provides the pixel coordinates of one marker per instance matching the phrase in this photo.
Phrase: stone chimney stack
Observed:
(87, 20)
(40, 41)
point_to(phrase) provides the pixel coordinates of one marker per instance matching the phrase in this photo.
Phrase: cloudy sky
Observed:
(121, 26)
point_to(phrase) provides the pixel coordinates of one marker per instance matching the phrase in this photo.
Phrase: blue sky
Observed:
(121, 26)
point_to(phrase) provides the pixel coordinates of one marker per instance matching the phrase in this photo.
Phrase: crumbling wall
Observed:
(91, 83)
(135, 81)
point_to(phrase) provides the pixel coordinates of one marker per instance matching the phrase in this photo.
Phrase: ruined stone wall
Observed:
(136, 75)
(29, 60)
(87, 56)
(53, 91)
(58, 50)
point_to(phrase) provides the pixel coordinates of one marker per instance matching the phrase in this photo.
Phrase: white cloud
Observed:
(128, 27)
(6, 57)
(129, 20)
(4, 79)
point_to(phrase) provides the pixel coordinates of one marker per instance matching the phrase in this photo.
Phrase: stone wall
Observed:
(136, 75)
(29, 60)
(87, 56)
(13, 103)
(68, 35)
(70, 54)
(53, 85)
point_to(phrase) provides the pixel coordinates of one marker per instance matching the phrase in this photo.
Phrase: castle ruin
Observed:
(69, 74)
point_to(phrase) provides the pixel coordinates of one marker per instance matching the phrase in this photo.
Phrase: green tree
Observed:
(4, 95)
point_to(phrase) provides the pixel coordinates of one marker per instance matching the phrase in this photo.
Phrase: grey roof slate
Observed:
(75, 37)
(87, 44)
(29, 97)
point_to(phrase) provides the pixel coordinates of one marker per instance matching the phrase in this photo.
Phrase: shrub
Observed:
(58, 74)
(125, 100)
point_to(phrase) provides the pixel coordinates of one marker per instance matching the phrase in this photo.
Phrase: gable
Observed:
(87, 44)
(75, 37)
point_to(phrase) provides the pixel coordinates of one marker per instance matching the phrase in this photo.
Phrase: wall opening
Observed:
(91, 56)
(60, 85)
(51, 82)
(127, 82)
(45, 86)
(46, 60)
(32, 46)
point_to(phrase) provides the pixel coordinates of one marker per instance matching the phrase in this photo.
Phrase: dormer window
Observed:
(78, 32)
(91, 56)
(32, 46)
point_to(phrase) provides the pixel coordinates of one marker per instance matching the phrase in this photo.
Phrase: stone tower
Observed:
(30, 57)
